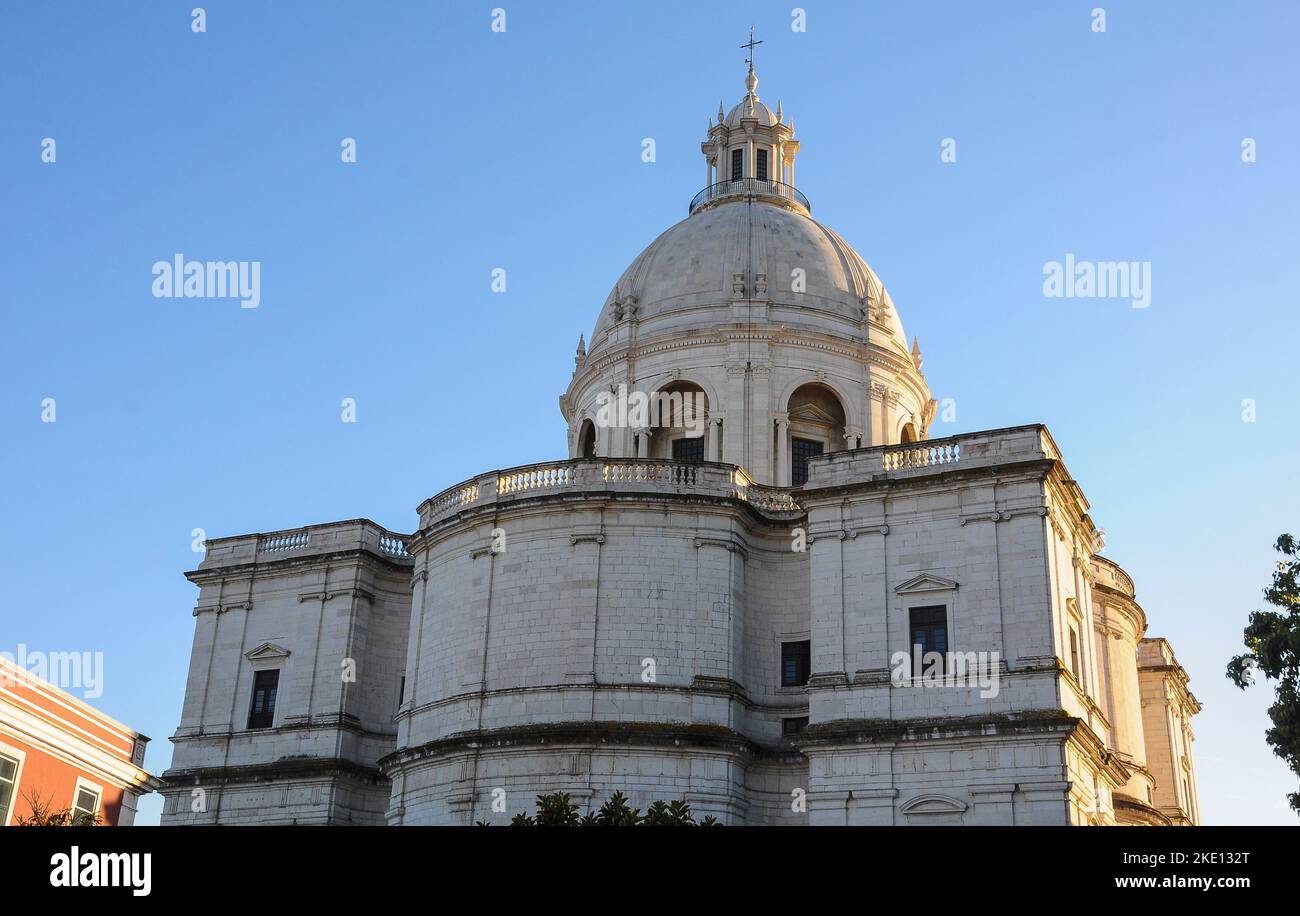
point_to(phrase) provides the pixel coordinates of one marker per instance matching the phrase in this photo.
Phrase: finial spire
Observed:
(751, 80)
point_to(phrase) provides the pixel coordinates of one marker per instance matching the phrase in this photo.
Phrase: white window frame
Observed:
(84, 784)
(20, 756)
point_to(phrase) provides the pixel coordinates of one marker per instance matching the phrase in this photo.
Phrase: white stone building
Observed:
(711, 601)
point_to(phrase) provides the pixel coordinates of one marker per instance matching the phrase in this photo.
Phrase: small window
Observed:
(929, 633)
(8, 785)
(86, 809)
(796, 661)
(737, 164)
(261, 713)
(401, 691)
(762, 165)
(793, 725)
(689, 449)
(802, 450)
(1074, 656)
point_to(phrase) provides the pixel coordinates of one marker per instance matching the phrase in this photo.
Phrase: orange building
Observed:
(66, 753)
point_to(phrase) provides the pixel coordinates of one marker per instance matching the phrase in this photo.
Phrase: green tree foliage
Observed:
(1272, 641)
(44, 814)
(557, 810)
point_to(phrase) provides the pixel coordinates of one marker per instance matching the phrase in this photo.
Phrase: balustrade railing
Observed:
(773, 500)
(682, 475)
(749, 187)
(598, 473)
(278, 543)
(454, 499)
(535, 478)
(920, 455)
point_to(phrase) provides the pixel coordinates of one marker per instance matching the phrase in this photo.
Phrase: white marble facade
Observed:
(632, 617)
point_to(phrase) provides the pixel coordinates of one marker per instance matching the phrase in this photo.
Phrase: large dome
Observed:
(774, 331)
(690, 270)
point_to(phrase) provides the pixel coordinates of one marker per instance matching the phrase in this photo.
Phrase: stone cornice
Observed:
(725, 544)
(595, 733)
(869, 731)
(595, 367)
(285, 768)
(264, 568)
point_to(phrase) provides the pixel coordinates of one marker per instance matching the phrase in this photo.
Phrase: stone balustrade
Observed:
(933, 456)
(313, 540)
(981, 449)
(609, 475)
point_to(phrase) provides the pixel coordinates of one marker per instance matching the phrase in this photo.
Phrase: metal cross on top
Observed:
(750, 45)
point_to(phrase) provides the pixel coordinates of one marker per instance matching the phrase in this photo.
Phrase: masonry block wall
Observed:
(592, 627)
(331, 617)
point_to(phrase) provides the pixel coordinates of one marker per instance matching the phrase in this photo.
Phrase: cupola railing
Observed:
(758, 188)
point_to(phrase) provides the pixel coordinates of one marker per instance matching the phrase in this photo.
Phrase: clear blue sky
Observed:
(523, 150)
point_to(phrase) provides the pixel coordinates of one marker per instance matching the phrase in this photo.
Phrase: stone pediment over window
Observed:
(925, 583)
(811, 413)
(933, 804)
(267, 651)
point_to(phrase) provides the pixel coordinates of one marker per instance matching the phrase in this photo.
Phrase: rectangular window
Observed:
(794, 725)
(737, 164)
(261, 714)
(1074, 656)
(8, 786)
(689, 449)
(86, 807)
(929, 631)
(796, 661)
(762, 165)
(801, 450)
(401, 691)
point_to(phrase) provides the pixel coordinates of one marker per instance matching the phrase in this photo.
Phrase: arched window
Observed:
(679, 412)
(587, 440)
(907, 434)
(816, 427)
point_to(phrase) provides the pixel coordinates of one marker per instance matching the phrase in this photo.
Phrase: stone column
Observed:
(993, 805)
(872, 807)
(712, 445)
(876, 414)
(199, 681)
(643, 442)
(782, 478)
(889, 413)
(761, 401)
(734, 445)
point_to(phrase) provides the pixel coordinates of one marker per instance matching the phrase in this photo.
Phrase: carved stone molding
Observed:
(1004, 515)
(724, 544)
(925, 582)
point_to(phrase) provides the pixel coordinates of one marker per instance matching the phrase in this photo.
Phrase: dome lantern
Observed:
(765, 317)
(750, 151)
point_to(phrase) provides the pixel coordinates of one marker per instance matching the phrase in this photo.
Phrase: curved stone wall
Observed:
(599, 620)
(1120, 625)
